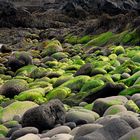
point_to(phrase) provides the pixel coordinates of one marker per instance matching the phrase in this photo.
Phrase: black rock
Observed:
(45, 116)
(84, 70)
(5, 49)
(18, 60)
(109, 89)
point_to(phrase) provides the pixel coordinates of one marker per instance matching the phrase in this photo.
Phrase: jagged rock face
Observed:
(7, 9)
(112, 7)
(58, 13)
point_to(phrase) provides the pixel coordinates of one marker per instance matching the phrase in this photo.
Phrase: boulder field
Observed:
(70, 70)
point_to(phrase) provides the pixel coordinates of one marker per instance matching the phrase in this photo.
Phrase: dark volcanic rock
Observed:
(108, 90)
(18, 60)
(45, 116)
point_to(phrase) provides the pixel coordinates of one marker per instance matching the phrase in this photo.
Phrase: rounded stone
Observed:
(56, 130)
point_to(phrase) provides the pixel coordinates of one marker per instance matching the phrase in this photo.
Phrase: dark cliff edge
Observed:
(78, 17)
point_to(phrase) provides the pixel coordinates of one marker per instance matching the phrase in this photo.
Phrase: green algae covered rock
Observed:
(131, 90)
(58, 93)
(14, 87)
(131, 106)
(26, 70)
(131, 80)
(19, 59)
(59, 55)
(75, 84)
(96, 71)
(39, 84)
(102, 104)
(31, 94)
(99, 40)
(38, 72)
(51, 47)
(3, 130)
(16, 108)
(62, 79)
(90, 84)
(114, 109)
(136, 58)
(119, 50)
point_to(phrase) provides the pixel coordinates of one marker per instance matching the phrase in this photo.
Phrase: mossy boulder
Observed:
(96, 71)
(119, 50)
(99, 40)
(25, 70)
(84, 39)
(114, 109)
(106, 90)
(102, 104)
(31, 94)
(16, 108)
(13, 87)
(116, 77)
(59, 55)
(136, 58)
(131, 106)
(62, 79)
(131, 90)
(58, 93)
(51, 47)
(3, 130)
(39, 84)
(75, 84)
(85, 69)
(91, 84)
(11, 124)
(38, 72)
(18, 60)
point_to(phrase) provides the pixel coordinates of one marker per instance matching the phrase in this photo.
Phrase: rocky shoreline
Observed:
(65, 77)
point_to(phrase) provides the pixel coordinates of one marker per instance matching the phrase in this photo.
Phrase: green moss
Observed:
(96, 71)
(131, 80)
(131, 90)
(14, 85)
(58, 93)
(90, 84)
(31, 95)
(38, 72)
(37, 84)
(89, 106)
(3, 130)
(5, 77)
(72, 39)
(112, 110)
(59, 55)
(130, 105)
(119, 50)
(84, 39)
(11, 124)
(62, 79)
(51, 47)
(100, 40)
(136, 58)
(16, 108)
(126, 67)
(76, 83)
(26, 70)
